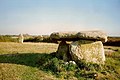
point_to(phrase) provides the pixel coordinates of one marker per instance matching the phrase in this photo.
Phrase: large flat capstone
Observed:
(84, 35)
(88, 51)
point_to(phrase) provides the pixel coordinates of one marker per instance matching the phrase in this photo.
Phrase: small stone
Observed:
(72, 62)
(66, 63)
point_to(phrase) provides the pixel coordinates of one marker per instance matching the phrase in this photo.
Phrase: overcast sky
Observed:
(45, 16)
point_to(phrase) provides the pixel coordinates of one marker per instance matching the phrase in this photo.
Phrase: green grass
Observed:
(37, 61)
(22, 61)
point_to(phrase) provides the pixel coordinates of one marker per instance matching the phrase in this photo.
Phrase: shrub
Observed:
(83, 71)
(7, 38)
(113, 41)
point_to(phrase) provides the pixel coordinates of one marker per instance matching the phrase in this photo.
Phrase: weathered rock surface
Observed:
(63, 51)
(87, 51)
(91, 35)
(64, 36)
(83, 35)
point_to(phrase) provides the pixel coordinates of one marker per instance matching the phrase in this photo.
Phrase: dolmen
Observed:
(84, 46)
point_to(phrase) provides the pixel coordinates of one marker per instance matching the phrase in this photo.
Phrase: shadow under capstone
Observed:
(28, 59)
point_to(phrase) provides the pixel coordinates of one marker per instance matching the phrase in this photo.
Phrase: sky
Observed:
(41, 17)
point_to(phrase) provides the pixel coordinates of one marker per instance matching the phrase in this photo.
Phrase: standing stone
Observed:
(88, 51)
(63, 51)
(21, 38)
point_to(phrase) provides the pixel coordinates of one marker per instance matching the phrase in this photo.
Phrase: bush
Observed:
(7, 38)
(59, 67)
(83, 71)
(113, 41)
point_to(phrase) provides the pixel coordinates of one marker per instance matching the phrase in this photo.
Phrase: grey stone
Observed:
(72, 62)
(83, 35)
(88, 51)
(63, 51)
(91, 35)
(64, 36)
(21, 38)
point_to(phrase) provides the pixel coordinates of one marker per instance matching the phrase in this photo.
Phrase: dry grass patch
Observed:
(10, 47)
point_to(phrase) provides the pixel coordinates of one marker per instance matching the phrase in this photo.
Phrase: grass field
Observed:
(34, 61)
(18, 61)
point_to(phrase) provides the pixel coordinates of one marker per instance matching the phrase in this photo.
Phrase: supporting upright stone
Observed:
(63, 51)
(88, 51)
(21, 38)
